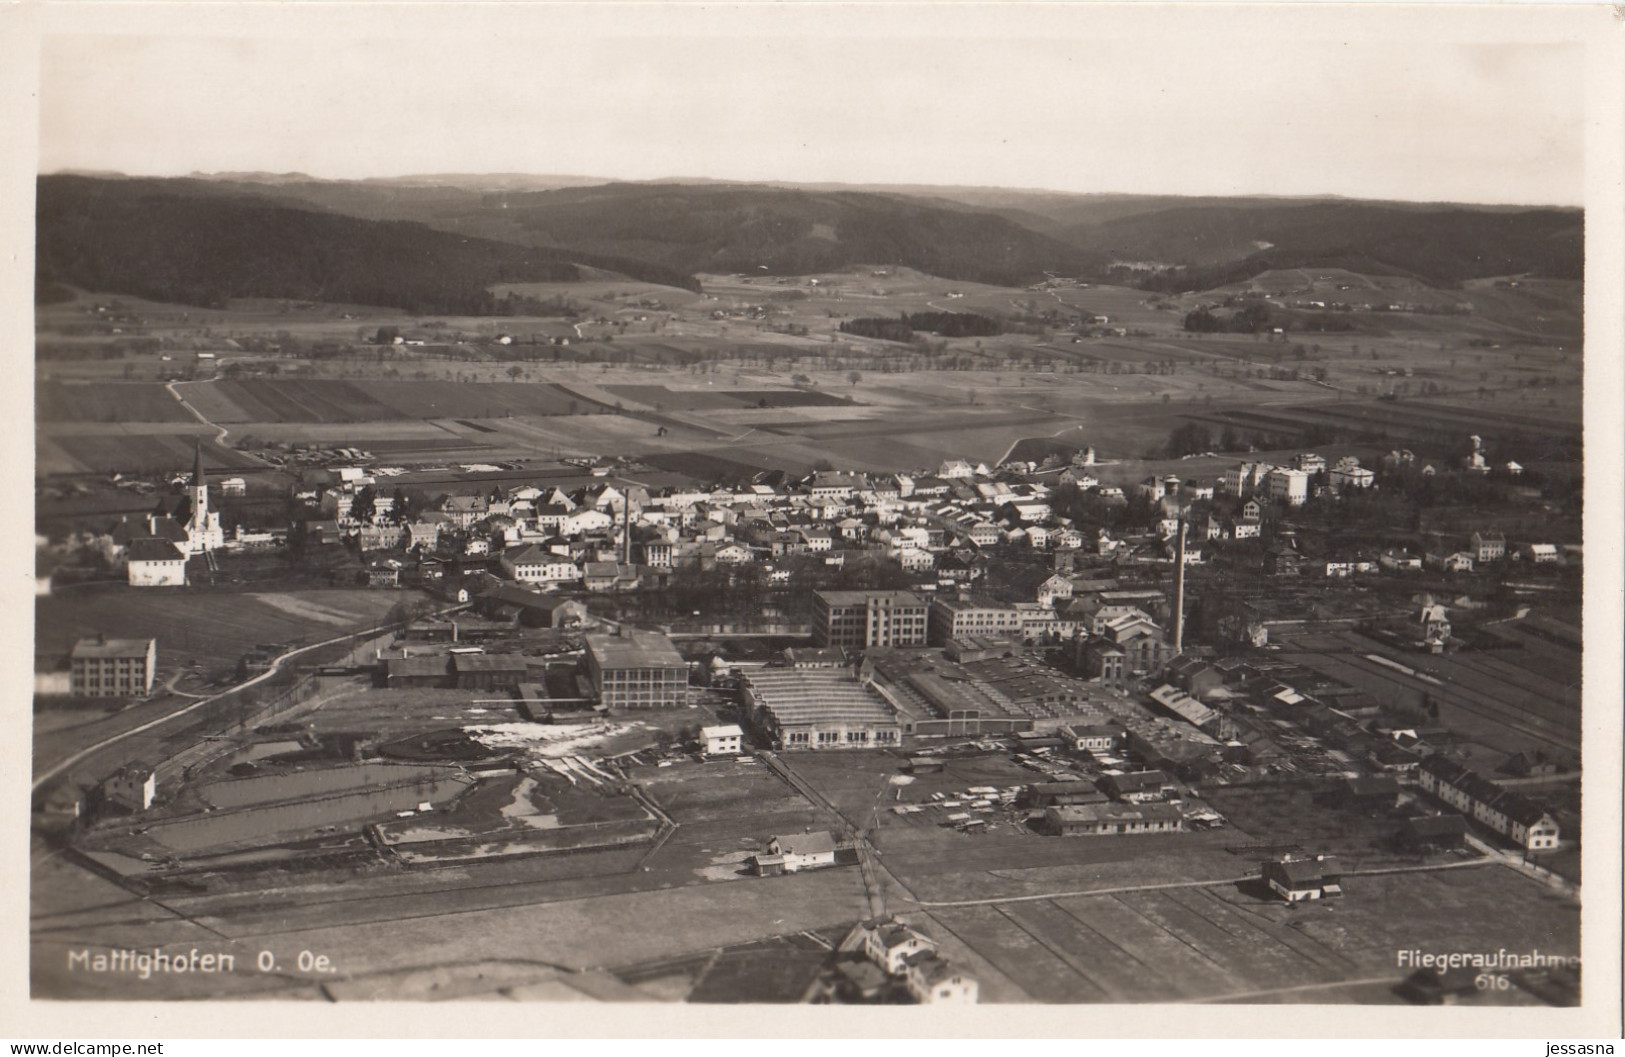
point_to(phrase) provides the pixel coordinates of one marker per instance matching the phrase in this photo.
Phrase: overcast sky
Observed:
(1192, 101)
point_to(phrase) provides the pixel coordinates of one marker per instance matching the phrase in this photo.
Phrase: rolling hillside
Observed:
(746, 228)
(436, 243)
(203, 245)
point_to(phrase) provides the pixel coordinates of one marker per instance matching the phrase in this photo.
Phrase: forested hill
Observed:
(169, 242)
(1440, 245)
(747, 228)
(436, 246)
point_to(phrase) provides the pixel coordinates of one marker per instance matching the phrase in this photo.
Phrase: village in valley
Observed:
(1077, 713)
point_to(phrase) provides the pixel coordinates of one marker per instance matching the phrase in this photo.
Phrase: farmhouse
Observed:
(1297, 880)
(155, 563)
(795, 852)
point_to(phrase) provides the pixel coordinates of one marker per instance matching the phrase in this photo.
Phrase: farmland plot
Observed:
(106, 402)
(147, 453)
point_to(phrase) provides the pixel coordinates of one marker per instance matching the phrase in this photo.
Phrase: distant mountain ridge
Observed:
(442, 239)
(155, 240)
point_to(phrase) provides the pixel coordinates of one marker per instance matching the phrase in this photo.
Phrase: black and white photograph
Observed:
(1069, 506)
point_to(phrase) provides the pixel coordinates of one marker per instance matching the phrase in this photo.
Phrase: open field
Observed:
(134, 452)
(207, 629)
(1204, 943)
(692, 373)
(659, 396)
(522, 922)
(106, 402)
(326, 401)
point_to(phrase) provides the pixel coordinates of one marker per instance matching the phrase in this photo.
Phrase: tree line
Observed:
(943, 324)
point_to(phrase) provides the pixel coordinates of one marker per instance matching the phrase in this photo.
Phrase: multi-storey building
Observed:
(636, 670)
(104, 667)
(955, 618)
(1289, 486)
(859, 619)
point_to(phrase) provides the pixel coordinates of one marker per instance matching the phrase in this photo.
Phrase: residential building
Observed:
(131, 788)
(103, 667)
(1540, 553)
(794, 852)
(1346, 477)
(931, 981)
(723, 740)
(1288, 486)
(636, 670)
(984, 534)
(1509, 813)
(1298, 879)
(1488, 546)
(890, 946)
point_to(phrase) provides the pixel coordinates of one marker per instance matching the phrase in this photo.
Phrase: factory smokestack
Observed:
(1179, 592)
(626, 529)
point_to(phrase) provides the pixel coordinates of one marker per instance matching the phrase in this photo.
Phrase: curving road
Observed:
(221, 431)
(276, 665)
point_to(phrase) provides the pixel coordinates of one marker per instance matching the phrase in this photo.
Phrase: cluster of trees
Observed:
(1252, 318)
(943, 324)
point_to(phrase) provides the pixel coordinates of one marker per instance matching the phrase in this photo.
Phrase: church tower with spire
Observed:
(203, 532)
